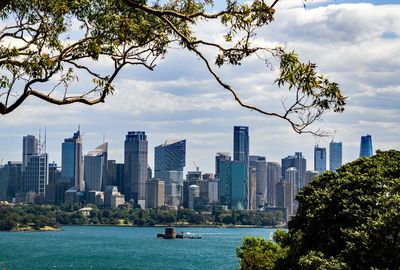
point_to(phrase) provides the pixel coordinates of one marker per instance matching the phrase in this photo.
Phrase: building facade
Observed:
(95, 168)
(72, 162)
(297, 161)
(260, 165)
(319, 159)
(136, 152)
(241, 144)
(274, 175)
(366, 146)
(335, 155)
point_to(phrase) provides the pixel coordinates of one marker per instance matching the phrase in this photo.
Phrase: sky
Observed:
(354, 43)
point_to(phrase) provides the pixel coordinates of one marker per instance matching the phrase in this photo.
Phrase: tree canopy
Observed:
(49, 49)
(346, 220)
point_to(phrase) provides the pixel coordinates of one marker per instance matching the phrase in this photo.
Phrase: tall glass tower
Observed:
(366, 146)
(241, 153)
(335, 155)
(169, 161)
(95, 169)
(136, 164)
(319, 159)
(72, 162)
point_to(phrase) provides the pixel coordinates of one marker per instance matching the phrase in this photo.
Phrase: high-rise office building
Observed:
(260, 165)
(95, 168)
(169, 161)
(53, 195)
(35, 176)
(155, 193)
(335, 155)
(297, 161)
(10, 180)
(274, 175)
(366, 146)
(241, 153)
(29, 149)
(34, 168)
(136, 147)
(72, 162)
(220, 156)
(231, 188)
(319, 159)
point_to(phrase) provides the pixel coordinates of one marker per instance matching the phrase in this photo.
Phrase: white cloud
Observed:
(180, 99)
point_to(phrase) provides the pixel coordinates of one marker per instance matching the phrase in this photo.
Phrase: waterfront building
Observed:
(95, 168)
(280, 197)
(274, 175)
(72, 162)
(34, 169)
(232, 185)
(220, 156)
(366, 146)
(260, 165)
(252, 203)
(241, 144)
(95, 197)
(194, 192)
(136, 147)
(170, 160)
(10, 181)
(53, 195)
(213, 191)
(29, 149)
(335, 155)
(155, 193)
(319, 159)
(297, 161)
(113, 198)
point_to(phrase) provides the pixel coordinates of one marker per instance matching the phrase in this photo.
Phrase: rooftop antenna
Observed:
(104, 137)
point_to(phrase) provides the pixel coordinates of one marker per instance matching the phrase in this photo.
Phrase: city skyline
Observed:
(151, 157)
(179, 100)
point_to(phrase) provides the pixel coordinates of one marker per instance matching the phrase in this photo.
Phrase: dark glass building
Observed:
(335, 155)
(241, 154)
(366, 146)
(136, 147)
(169, 161)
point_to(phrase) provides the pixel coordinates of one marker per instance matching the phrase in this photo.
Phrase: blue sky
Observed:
(355, 43)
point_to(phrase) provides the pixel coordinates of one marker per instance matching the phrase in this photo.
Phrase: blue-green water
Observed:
(122, 248)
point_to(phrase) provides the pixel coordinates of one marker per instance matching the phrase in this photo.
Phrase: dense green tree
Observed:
(346, 220)
(50, 49)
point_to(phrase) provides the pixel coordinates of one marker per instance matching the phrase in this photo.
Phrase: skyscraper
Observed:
(231, 188)
(297, 161)
(218, 159)
(72, 162)
(95, 172)
(241, 154)
(136, 147)
(29, 149)
(319, 159)
(260, 165)
(335, 155)
(366, 146)
(34, 167)
(274, 175)
(169, 161)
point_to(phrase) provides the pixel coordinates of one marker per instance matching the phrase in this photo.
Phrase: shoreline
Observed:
(178, 225)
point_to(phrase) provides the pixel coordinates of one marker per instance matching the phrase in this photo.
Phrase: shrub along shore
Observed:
(29, 217)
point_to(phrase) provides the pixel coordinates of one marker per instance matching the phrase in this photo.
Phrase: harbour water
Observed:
(133, 248)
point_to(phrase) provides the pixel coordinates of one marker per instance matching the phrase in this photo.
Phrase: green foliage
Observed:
(257, 253)
(347, 220)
